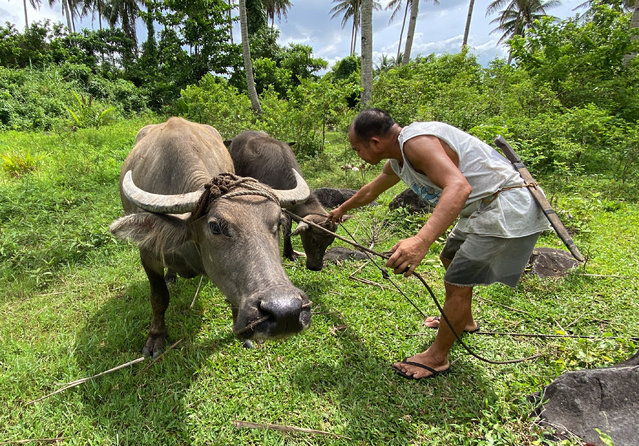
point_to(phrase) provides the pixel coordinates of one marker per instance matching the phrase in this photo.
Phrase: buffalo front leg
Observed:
(156, 340)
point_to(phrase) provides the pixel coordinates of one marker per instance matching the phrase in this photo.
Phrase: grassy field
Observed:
(74, 303)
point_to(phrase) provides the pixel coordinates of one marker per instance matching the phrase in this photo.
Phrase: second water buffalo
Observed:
(257, 155)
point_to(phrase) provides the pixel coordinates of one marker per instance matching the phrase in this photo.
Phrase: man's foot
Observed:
(434, 321)
(416, 367)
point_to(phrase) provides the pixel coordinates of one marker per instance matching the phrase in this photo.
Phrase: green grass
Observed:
(74, 302)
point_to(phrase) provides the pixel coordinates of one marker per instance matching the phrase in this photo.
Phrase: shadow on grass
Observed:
(375, 404)
(141, 404)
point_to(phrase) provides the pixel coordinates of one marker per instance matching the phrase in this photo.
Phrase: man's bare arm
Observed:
(367, 193)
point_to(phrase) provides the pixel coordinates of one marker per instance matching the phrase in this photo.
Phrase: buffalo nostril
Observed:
(282, 309)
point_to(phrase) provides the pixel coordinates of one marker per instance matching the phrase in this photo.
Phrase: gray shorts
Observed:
(482, 260)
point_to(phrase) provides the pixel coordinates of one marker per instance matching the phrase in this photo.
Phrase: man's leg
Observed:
(457, 308)
(436, 321)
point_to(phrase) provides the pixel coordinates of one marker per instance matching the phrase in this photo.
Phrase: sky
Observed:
(439, 30)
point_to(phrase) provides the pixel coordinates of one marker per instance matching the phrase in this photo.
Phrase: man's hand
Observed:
(406, 255)
(336, 215)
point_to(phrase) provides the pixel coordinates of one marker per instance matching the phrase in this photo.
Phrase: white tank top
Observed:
(513, 212)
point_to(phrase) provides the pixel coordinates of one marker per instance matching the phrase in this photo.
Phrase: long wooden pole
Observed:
(549, 212)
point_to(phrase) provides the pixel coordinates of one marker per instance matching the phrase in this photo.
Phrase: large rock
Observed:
(607, 399)
(411, 201)
(331, 198)
(550, 262)
(337, 254)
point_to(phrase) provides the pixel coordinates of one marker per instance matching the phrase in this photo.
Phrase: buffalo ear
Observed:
(301, 227)
(154, 232)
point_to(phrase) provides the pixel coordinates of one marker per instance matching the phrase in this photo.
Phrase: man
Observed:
(499, 221)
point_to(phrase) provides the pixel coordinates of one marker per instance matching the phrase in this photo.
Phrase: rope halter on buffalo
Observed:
(224, 186)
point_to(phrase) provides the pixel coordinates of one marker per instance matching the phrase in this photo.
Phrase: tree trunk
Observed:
(634, 23)
(231, 20)
(100, 17)
(367, 51)
(26, 19)
(414, 11)
(67, 13)
(401, 33)
(248, 66)
(471, 5)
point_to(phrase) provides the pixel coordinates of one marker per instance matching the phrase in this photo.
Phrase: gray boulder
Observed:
(331, 198)
(550, 262)
(411, 201)
(579, 402)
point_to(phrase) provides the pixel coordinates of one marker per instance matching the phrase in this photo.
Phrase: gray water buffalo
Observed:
(257, 155)
(188, 212)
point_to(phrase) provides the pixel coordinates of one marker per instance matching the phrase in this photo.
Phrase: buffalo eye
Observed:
(218, 227)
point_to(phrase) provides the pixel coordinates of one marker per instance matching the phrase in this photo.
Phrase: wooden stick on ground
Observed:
(34, 440)
(280, 427)
(83, 380)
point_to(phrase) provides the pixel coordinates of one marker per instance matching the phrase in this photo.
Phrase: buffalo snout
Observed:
(276, 313)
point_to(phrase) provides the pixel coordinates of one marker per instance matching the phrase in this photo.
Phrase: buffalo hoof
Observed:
(170, 277)
(154, 346)
(248, 344)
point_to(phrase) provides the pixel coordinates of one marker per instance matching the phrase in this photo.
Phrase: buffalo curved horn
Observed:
(159, 204)
(291, 197)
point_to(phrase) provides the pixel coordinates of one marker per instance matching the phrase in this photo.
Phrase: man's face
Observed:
(364, 149)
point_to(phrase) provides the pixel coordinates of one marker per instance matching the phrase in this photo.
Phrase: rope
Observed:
(386, 276)
(223, 185)
(492, 197)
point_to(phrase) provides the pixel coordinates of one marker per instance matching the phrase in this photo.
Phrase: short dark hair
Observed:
(372, 122)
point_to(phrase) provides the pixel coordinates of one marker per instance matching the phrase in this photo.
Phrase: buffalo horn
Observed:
(291, 197)
(160, 204)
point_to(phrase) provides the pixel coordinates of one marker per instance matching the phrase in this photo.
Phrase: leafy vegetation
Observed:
(74, 301)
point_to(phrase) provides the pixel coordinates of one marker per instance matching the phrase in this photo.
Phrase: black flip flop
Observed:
(433, 372)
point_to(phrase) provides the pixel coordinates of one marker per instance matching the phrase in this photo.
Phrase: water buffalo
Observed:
(188, 212)
(257, 155)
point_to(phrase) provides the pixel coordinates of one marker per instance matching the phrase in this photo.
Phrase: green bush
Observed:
(213, 101)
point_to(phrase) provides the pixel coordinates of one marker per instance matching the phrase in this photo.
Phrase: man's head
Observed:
(369, 128)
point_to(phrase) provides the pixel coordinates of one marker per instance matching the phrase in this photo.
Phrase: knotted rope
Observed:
(224, 185)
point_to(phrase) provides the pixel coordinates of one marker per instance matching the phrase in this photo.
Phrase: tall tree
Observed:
(348, 9)
(471, 6)
(397, 4)
(277, 8)
(367, 51)
(248, 65)
(125, 12)
(412, 22)
(517, 16)
(634, 24)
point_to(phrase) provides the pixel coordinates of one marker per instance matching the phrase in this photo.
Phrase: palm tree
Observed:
(125, 12)
(348, 9)
(276, 7)
(414, 12)
(351, 9)
(367, 51)
(517, 16)
(93, 7)
(35, 4)
(471, 5)
(248, 66)
(397, 4)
